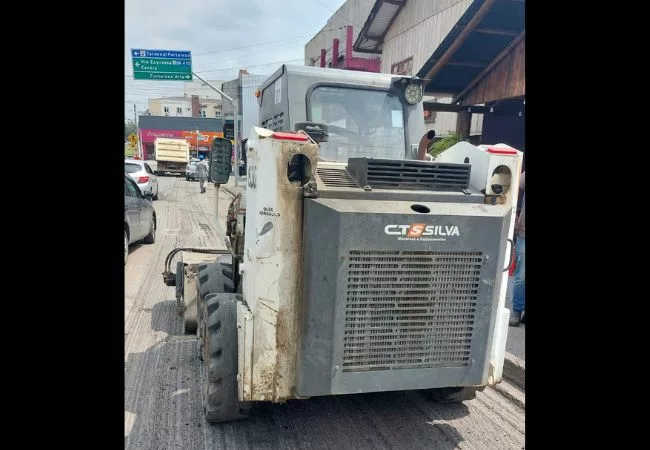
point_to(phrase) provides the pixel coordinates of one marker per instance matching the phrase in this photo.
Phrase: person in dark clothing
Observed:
(519, 291)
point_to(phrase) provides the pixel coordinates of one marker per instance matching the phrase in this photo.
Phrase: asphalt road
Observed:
(162, 401)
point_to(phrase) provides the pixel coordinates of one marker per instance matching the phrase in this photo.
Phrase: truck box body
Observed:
(172, 155)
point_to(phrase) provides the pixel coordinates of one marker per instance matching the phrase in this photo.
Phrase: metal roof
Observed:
(381, 17)
(485, 31)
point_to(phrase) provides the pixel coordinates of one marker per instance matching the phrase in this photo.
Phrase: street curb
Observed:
(514, 370)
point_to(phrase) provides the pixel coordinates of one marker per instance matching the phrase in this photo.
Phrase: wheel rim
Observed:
(126, 246)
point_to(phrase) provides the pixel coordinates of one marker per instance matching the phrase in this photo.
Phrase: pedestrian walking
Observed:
(519, 289)
(202, 173)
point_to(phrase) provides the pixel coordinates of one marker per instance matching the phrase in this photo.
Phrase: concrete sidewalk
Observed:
(514, 367)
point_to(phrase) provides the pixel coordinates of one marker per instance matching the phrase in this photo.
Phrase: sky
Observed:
(222, 35)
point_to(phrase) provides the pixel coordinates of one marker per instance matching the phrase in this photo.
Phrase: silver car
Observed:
(190, 170)
(141, 173)
(139, 216)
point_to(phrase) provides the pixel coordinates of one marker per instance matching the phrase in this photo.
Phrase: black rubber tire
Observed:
(210, 280)
(155, 197)
(126, 246)
(151, 237)
(453, 394)
(220, 392)
(230, 272)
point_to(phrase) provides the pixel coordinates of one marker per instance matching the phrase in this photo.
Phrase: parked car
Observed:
(190, 170)
(139, 216)
(153, 165)
(143, 175)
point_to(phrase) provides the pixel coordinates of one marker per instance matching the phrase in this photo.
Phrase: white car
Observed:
(141, 173)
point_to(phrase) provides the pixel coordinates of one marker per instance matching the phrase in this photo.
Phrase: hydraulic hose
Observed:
(168, 275)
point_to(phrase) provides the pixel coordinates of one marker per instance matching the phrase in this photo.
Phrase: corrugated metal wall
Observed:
(417, 31)
(352, 12)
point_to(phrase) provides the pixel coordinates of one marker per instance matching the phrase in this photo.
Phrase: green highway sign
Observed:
(161, 65)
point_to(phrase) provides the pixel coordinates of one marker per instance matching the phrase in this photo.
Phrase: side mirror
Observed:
(220, 160)
(147, 195)
(317, 131)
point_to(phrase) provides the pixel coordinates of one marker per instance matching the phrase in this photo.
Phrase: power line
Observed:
(252, 45)
(261, 44)
(326, 6)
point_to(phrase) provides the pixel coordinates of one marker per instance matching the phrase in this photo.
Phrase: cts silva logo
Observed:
(422, 231)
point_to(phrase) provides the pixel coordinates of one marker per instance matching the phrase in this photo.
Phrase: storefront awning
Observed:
(487, 30)
(381, 17)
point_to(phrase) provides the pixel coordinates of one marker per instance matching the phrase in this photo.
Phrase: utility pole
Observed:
(236, 125)
(135, 122)
(198, 133)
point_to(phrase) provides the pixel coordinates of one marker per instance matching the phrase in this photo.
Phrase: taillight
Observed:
(143, 180)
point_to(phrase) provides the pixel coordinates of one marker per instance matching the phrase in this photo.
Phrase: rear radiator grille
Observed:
(335, 177)
(410, 309)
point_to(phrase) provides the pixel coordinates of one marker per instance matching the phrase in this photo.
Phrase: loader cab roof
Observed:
(327, 75)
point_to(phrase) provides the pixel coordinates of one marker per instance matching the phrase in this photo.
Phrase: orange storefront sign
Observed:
(205, 137)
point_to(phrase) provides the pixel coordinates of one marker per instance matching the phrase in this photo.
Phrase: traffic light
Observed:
(229, 130)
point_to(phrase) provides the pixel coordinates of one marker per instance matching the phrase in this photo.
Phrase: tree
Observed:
(444, 143)
(129, 127)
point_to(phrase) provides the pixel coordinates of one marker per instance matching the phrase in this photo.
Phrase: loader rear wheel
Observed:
(453, 394)
(220, 355)
(210, 280)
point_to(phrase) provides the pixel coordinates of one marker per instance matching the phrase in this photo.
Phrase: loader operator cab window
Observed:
(361, 122)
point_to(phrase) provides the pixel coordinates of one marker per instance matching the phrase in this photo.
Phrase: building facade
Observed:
(198, 87)
(412, 33)
(188, 106)
(198, 132)
(328, 47)
(400, 35)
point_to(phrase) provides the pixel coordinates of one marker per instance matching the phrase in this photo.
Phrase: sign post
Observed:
(161, 65)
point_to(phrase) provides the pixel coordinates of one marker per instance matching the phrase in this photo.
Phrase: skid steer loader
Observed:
(351, 267)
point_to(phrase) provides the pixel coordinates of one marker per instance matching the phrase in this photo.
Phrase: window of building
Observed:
(217, 114)
(403, 67)
(179, 110)
(166, 109)
(203, 113)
